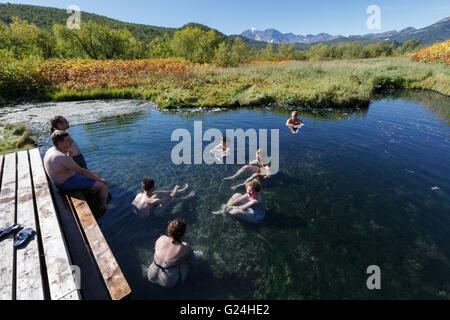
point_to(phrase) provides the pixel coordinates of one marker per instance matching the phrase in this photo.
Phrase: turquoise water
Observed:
(355, 188)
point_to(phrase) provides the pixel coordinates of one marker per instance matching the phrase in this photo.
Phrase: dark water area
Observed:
(355, 188)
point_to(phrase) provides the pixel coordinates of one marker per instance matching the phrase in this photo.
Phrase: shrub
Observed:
(439, 52)
(25, 140)
(19, 130)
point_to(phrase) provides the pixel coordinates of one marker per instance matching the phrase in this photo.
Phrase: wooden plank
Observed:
(7, 217)
(28, 271)
(57, 261)
(114, 279)
(92, 285)
(1, 169)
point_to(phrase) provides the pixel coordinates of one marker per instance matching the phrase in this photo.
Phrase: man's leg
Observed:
(102, 189)
(252, 177)
(241, 170)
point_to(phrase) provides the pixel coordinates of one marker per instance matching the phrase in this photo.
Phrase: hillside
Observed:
(437, 32)
(46, 17)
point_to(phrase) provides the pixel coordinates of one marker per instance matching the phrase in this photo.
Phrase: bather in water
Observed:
(156, 202)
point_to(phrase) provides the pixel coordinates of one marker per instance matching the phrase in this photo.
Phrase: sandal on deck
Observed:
(8, 230)
(23, 236)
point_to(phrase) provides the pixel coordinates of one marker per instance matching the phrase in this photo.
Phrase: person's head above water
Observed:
(177, 229)
(61, 140)
(261, 154)
(148, 185)
(253, 187)
(294, 115)
(58, 123)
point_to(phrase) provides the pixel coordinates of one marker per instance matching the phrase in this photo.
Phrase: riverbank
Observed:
(171, 83)
(37, 116)
(15, 138)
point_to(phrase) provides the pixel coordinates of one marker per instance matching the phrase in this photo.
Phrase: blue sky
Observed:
(299, 17)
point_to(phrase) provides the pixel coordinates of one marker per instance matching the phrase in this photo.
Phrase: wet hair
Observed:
(294, 113)
(58, 136)
(255, 184)
(54, 123)
(148, 184)
(176, 229)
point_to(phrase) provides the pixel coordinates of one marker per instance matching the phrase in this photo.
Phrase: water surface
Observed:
(355, 188)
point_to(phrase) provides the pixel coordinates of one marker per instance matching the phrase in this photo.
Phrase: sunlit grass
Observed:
(175, 82)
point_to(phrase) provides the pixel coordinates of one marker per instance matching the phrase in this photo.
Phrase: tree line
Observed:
(21, 39)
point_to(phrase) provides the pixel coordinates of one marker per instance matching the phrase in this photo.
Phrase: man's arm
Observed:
(301, 124)
(215, 148)
(239, 199)
(152, 202)
(247, 205)
(70, 164)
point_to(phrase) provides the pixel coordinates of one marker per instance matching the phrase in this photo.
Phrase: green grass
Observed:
(15, 138)
(339, 83)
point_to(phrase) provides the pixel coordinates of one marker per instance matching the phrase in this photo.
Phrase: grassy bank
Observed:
(15, 138)
(173, 82)
(340, 83)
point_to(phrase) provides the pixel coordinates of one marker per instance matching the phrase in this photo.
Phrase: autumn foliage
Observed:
(439, 52)
(88, 74)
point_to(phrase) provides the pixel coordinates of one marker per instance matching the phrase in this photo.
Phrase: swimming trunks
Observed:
(79, 159)
(76, 182)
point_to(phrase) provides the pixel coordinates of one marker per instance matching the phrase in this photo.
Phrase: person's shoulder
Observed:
(54, 154)
(50, 151)
(162, 238)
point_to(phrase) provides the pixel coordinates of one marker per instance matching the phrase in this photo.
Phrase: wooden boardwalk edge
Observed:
(7, 218)
(67, 257)
(92, 285)
(115, 281)
(57, 260)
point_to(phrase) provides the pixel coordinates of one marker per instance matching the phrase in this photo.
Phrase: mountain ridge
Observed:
(436, 32)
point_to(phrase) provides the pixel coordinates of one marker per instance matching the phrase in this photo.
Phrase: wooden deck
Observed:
(42, 269)
(68, 258)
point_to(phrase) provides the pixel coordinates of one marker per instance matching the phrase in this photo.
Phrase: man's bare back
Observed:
(143, 203)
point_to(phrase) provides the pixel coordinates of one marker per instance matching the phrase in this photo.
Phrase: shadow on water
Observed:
(435, 102)
(310, 113)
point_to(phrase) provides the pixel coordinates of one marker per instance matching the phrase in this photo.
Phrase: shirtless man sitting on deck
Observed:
(294, 123)
(61, 123)
(66, 174)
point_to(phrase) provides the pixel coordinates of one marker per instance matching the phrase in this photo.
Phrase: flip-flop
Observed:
(23, 236)
(8, 230)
